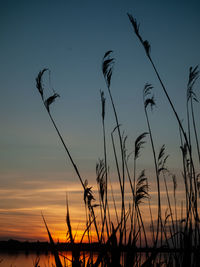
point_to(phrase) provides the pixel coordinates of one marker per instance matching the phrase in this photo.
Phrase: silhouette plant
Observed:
(126, 235)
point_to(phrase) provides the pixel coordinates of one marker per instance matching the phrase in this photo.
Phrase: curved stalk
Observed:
(157, 176)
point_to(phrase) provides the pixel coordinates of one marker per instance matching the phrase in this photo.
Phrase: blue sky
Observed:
(70, 38)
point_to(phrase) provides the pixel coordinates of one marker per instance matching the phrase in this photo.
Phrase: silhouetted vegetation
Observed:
(122, 239)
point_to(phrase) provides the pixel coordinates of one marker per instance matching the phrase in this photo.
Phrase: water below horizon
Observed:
(22, 259)
(29, 260)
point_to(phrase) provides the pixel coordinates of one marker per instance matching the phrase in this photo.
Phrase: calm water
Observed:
(23, 260)
(47, 260)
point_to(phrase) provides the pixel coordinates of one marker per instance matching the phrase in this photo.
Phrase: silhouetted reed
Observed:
(122, 238)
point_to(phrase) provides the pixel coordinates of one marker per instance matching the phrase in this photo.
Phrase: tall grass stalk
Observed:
(149, 101)
(191, 97)
(192, 176)
(53, 247)
(147, 48)
(103, 102)
(47, 102)
(107, 68)
(173, 230)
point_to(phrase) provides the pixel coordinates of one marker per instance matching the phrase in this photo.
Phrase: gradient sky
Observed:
(70, 38)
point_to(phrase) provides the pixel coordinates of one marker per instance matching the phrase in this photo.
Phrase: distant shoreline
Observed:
(15, 246)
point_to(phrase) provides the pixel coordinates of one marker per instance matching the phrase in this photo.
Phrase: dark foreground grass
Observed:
(121, 239)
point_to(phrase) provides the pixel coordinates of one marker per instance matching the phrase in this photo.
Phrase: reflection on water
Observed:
(45, 260)
(29, 260)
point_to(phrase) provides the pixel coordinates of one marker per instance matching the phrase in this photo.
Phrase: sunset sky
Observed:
(70, 38)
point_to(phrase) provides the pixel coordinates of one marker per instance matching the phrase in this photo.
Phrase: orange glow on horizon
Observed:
(21, 218)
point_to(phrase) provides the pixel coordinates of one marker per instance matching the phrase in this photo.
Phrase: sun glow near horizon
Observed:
(25, 223)
(36, 173)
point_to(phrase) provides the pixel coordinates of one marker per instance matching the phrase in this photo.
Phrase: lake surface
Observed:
(28, 260)
(47, 260)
